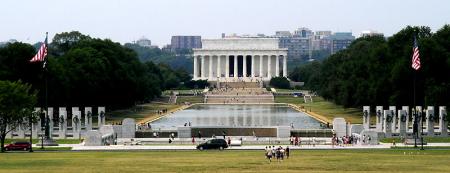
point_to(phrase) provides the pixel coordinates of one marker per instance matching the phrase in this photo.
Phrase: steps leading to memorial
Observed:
(239, 95)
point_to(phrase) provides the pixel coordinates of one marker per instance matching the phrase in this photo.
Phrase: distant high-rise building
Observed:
(283, 34)
(299, 44)
(303, 33)
(319, 42)
(341, 40)
(370, 33)
(144, 42)
(180, 43)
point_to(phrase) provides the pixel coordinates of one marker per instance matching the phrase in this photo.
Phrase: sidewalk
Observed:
(78, 147)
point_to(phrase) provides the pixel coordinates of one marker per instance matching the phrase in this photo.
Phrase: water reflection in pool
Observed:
(238, 115)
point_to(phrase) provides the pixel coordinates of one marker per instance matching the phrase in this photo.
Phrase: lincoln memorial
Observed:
(244, 59)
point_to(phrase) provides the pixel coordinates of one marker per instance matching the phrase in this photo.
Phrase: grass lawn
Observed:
(393, 160)
(325, 108)
(140, 112)
(426, 139)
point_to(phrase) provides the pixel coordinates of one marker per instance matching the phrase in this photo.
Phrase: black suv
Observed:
(213, 144)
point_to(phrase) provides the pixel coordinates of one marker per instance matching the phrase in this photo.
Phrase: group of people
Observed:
(349, 140)
(161, 111)
(295, 140)
(276, 152)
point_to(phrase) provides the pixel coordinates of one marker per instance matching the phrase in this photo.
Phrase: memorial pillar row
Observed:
(269, 67)
(277, 66)
(443, 121)
(261, 60)
(219, 74)
(202, 66)
(62, 122)
(88, 118)
(50, 121)
(210, 71)
(227, 66)
(244, 66)
(253, 66)
(235, 72)
(284, 66)
(430, 120)
(195, 68)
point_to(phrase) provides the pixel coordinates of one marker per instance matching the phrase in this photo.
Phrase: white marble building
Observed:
(232, 59)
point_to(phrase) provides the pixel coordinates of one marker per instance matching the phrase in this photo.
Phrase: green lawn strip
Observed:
(426, 139)
(35, 141)
(419, 147)
(325, 108)
(229, 161)
(138, 112)
(52, 148)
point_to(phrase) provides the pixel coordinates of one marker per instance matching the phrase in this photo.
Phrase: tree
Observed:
(17, 101)
(62, 42)
(280, 82)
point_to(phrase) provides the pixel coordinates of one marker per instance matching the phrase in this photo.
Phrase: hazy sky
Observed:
(127, 20)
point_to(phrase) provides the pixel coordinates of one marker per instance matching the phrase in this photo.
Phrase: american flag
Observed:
(415, 58)
(40, 55)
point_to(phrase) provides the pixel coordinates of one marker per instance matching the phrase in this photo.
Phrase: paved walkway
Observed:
(245, 147)
(81, 147)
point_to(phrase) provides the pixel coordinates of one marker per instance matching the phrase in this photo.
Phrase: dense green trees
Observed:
(85, 71)
(280, 82)
(17, 102)
(181, 60)
(377, 71)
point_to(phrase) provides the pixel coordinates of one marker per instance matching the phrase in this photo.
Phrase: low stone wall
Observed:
(237, 131)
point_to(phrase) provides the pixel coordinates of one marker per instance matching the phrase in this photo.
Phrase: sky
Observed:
(127, 20)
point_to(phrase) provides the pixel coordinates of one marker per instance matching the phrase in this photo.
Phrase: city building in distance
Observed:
(181, 44)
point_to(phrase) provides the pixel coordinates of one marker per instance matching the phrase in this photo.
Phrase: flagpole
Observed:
(47, 125)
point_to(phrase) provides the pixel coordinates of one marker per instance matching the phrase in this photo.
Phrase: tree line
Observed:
(377, 71)
(86, 71)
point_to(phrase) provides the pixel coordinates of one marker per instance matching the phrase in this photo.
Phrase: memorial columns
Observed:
(88, 118)
(406, 109)
(235, 72)
(227, 66)
(261, 62)
(62, 122)
(202, 66)
(195, 68)
(244, 66)
(101, 116)
(443, 121)
(269, 67)
(210, 69)
(253, 67)
(49, 119)
(366, 117)
(430, 120)
(219, 73)
(277, 66)
(402, 123)
(284, 66)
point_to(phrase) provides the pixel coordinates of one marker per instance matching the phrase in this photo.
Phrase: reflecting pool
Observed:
(237, 115)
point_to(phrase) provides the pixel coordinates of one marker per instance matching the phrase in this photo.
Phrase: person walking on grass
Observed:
(269, 154)
(287, 152)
